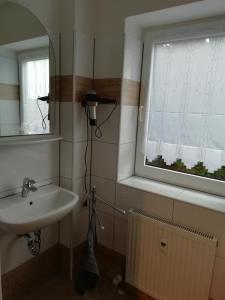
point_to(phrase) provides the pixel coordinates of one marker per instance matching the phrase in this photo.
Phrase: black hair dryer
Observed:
(91, 101)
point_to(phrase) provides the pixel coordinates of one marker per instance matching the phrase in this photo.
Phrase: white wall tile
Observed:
(55, 120)
(110, 130)
(106, 190)
(14, 251)
(132, 58)
(128, 123)
(79, 123)
(202, 219)
(9, 130)
(67, 41)
(128, 198)
(66, 159)
(9, 68)
(78, 188)
(109, 56)
(104, 160)
(66, 111)
(218, 288)
(84, 55)
(126, 160)
(9, 112)
(105, 237)
(80, 227)
(78, 159)
(66, 183)
(36, 161)
(120, 236)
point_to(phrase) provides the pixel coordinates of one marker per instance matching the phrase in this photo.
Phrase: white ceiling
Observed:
(186, 12)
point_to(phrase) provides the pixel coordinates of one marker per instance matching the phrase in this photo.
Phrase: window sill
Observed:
(29, 140)
(201, 199)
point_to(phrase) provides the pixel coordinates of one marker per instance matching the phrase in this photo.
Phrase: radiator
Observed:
(168, 261)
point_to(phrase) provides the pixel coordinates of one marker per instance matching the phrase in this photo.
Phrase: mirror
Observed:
(26, 62)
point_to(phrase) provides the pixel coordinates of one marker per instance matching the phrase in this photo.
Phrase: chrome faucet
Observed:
(28, 186)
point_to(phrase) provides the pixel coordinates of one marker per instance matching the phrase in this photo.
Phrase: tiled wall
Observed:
(180, 212)
(73, 124)
(128, 128)
(114, 156)
(108, 78)
(114, 153)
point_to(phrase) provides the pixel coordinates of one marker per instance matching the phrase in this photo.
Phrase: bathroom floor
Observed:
(57, 288)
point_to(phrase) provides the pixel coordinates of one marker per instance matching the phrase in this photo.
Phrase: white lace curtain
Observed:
(35, 83)
(187, 103)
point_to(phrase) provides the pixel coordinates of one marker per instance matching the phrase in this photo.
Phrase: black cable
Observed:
(90, 179)
(98, 134)
(43, 123)
(88, 201)
(85, 155)
(98, 131)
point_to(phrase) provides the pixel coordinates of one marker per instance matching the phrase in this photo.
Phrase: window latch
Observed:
(141, 110)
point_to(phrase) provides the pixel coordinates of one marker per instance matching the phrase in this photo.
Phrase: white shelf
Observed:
(29, 140)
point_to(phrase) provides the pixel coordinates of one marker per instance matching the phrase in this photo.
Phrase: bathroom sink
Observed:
(46, 206)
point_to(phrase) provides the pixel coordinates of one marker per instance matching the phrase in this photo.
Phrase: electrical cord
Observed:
(43, 123)
(98, 134)
(90, 179)
(98, 131)
(87, 201)
(85, 155)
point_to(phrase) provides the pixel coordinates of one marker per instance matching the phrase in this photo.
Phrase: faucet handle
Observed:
(28, 185)
(28, 181)
(32, 181)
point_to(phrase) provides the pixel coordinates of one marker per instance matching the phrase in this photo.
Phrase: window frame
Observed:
(176, 32)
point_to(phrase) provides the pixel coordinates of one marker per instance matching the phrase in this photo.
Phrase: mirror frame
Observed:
(55, 134)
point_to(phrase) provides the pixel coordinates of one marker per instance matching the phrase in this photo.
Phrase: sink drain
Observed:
(34, 242)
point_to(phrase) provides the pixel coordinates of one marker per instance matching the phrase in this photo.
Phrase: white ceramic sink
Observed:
(46, 206)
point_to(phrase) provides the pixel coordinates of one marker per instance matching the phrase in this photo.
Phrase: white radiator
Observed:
(167, 261)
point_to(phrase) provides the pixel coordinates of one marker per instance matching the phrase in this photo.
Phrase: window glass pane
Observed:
(35, 84)
(187, 107)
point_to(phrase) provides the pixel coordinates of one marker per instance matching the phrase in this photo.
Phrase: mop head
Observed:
(88, 274)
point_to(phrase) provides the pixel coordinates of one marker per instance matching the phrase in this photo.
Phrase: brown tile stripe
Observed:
(55, 88)
(9, 92)
(82, 85)
(130, 92)
(65, 88)
(110, 87)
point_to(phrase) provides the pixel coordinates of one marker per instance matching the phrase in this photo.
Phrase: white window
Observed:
(34, 79)
(181, 138)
